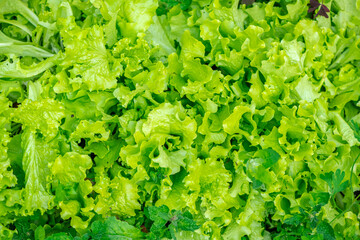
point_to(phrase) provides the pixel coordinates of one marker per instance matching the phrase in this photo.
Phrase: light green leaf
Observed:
(35, 161)
(71, 167)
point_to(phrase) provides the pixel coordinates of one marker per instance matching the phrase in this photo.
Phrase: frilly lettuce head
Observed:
(179, 119)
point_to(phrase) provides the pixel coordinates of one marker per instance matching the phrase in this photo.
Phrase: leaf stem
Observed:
(346, 210)
(335, 205)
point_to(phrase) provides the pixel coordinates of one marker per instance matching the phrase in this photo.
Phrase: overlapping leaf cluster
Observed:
(203, 119)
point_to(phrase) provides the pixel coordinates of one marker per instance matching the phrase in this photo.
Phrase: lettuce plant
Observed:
(179, 119)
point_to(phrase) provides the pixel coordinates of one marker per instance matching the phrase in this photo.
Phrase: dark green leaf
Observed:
(112, 228)
(326, 230)
(313, 221)
(321, 198)
(59, 236)
(335, 181)
(166, 5)
(316, 209)
(185, 4)
(160, 216)
(186, 224)
(269, 156)
(285, 204)
(294, 220)
(256, 183)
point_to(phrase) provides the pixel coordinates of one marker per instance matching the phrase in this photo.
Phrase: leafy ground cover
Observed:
(179, 119)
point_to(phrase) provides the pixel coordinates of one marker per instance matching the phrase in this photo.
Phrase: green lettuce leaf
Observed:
(43, 115)
(71, 167)
(35, 161)
(87, 57)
